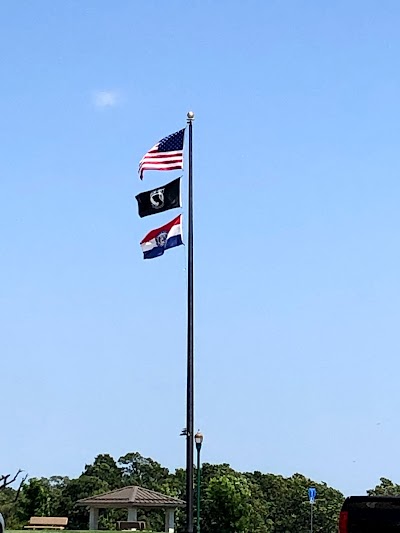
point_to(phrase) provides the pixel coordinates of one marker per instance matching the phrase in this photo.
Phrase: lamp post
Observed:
(198, 438)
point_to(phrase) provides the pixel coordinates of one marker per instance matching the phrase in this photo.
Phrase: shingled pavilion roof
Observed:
(132, 496)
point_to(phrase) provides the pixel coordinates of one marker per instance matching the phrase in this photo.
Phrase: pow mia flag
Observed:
(160, 199)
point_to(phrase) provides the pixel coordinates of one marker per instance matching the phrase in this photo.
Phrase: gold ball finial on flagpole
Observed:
(190, 115)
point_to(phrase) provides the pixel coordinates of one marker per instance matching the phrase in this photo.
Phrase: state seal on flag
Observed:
(161, 239)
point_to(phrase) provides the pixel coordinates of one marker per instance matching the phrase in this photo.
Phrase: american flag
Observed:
(167, 154)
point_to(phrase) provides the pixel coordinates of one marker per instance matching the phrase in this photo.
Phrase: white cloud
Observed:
(106, 98)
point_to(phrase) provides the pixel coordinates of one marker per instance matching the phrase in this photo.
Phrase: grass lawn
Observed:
(64, 531)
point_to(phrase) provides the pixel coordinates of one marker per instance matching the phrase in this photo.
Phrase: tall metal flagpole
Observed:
(190, 347)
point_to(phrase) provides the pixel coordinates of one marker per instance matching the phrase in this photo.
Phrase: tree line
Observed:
(231, 501)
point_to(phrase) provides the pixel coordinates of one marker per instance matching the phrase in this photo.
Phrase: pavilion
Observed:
(132, 498)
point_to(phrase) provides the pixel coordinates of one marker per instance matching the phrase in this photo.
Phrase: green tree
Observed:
(142, 471)
(385, 488)
(57, 485)
(287, 506)
(35, 499)
(39, 497)
(228, 506)
(260, 518)
(105, 468)
(231, 502)
(77, 489)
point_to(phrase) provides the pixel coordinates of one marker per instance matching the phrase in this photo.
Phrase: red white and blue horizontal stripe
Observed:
(158, 240)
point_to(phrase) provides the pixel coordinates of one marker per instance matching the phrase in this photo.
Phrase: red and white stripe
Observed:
(155, 160)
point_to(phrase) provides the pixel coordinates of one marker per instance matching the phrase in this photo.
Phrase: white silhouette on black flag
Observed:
(160, 199)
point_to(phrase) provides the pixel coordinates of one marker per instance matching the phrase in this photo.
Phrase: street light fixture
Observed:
(198, 438)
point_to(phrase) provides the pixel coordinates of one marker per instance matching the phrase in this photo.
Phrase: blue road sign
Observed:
(312, 494)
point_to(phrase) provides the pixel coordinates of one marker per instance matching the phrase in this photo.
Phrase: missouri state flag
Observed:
(158, 240)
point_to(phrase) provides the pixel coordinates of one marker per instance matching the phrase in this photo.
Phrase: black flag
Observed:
(160, 199)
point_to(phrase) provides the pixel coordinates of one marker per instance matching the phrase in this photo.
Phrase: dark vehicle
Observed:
(370, 514)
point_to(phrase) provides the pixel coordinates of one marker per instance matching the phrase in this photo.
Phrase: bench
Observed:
(47, 522)
(136, 525)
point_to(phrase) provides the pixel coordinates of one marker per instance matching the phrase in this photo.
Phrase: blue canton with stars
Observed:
(172, 143)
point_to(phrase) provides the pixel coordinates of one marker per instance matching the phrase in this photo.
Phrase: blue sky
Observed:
(296, 235)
